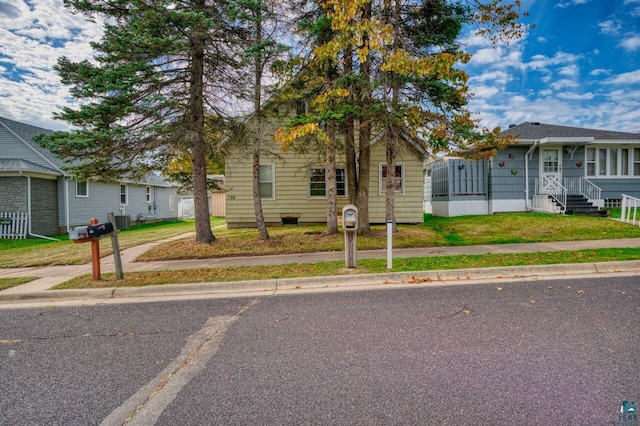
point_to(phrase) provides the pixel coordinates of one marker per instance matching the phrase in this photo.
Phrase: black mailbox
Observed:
(100, 229)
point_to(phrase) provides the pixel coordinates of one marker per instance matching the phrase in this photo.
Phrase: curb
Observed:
(275, 286)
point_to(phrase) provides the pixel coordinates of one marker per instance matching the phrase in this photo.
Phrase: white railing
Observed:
(551, 187)
(13, 225)
(630, 207)
(582, 186)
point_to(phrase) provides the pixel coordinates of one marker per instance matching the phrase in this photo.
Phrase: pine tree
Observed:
(158, 69)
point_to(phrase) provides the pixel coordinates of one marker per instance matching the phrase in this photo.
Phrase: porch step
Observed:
(579, 205)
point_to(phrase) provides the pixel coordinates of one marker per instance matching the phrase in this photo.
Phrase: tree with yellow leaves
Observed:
(396, 68)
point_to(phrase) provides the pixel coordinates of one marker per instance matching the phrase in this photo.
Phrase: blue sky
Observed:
(579, 66)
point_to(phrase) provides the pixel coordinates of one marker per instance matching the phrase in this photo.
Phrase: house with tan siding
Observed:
(294, 192)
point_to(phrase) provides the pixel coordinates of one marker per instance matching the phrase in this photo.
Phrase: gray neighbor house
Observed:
(35, 187)
(547, 167)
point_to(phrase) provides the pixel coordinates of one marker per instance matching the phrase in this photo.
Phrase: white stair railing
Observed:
(582, 186)
(630, 207)
(551, 187)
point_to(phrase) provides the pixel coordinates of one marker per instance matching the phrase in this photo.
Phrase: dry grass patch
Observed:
(287, 241)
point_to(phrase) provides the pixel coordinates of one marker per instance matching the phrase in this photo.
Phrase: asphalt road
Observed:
(527, 353)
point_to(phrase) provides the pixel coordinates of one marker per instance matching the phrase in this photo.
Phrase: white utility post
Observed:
(350, 226)
(389, 244)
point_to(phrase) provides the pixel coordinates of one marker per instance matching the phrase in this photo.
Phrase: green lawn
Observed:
(40, 252)
(365, 266)
(12, 282)
(434, 232)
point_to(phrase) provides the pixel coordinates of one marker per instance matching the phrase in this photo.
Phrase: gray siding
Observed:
(573, 166)
(12, 147)
(507, 175)
(104, 198)
(613, 188)
(458, 179)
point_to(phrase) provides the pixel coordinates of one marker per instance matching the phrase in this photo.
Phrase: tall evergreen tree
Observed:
(159, 67)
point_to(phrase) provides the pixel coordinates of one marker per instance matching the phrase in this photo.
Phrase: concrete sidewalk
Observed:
(50, 276)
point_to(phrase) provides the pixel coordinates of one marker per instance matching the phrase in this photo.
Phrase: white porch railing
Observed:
(630, 207)
(582, 186)
(554, 189)
(13, 225)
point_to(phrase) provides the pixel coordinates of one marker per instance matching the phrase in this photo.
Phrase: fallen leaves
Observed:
(416, 280)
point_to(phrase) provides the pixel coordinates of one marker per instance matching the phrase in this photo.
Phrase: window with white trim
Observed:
(267, 181)
(602, 162)
(399, 178)
(123, 194)
(591, 161)
(613, 162)
(624, 162)
(82, 189)
(170, 203)
(318, 183)
(148, 194)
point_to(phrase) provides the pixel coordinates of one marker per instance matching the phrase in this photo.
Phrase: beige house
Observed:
(294, 192)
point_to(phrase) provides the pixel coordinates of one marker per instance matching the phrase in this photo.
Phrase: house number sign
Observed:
(5, 221)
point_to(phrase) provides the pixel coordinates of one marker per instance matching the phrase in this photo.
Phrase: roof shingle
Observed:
(536, 131)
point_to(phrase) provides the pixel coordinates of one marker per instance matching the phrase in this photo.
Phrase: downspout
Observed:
(31, 234)
(67, 218)
(526, 173)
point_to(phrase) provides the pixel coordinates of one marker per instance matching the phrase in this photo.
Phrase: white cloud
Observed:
(475, 40)
(563, 83)
(495, 77)
(631, 43)
(599, 71)
(33, 35)
(575, 96)
(538, 62)
(610, 27)
(569, 70)
(484, 91)
(630, 77)
(571, 3)
(487, 56)
(541, 39)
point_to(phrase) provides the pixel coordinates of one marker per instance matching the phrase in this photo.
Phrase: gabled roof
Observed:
(19, 165)
(535, 131)
(26, 133)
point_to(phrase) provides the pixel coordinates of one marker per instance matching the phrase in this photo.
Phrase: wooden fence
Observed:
(13, 225)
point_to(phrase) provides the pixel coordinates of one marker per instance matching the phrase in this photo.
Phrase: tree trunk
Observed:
(196, 135)
(364, 139)
(257, 112)
(349, 136)
(330, 180)
(391, 129)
